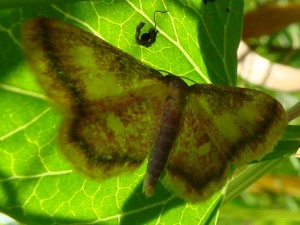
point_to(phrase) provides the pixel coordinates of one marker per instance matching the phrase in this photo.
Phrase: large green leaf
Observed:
(37, 184)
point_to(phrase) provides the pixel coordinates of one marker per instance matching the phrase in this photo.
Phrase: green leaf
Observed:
(37, 185)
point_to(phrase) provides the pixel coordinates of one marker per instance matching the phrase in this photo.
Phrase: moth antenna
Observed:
(181, 77)
(186, 78)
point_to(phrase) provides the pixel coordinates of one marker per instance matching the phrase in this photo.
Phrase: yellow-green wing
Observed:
(111, 103)
(72, 64)
(222, 127)
(114, 134)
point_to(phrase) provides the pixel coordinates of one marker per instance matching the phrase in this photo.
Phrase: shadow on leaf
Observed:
(139, 209)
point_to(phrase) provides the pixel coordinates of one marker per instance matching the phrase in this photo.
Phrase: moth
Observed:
(116, 111)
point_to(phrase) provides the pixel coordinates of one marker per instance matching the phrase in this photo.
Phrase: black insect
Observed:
(147, 39)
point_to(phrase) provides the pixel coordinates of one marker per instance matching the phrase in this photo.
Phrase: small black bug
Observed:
(147, 39)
